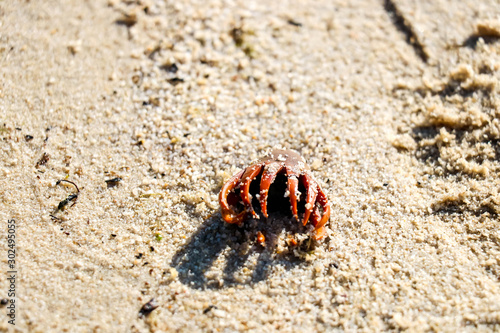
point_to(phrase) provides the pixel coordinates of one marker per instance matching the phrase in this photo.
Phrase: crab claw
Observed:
(227, 213)
(268, 177)
(246, 180)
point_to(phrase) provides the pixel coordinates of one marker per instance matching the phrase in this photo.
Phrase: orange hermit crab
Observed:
(236, 195)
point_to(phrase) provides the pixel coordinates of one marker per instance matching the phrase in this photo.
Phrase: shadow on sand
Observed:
(216, 240)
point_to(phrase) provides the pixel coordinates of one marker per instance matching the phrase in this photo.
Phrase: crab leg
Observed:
(312, 193)
(268, 177)
(246, 180)
(319, 233)
(323, 201)
(316, 219)
(227, 213)
(293, 186)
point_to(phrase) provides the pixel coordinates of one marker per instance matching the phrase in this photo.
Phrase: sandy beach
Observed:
(121, 120)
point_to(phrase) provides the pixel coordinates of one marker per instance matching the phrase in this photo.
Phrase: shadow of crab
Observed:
(221, 255)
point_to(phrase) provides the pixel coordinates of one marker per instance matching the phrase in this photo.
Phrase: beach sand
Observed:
(393, 103)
